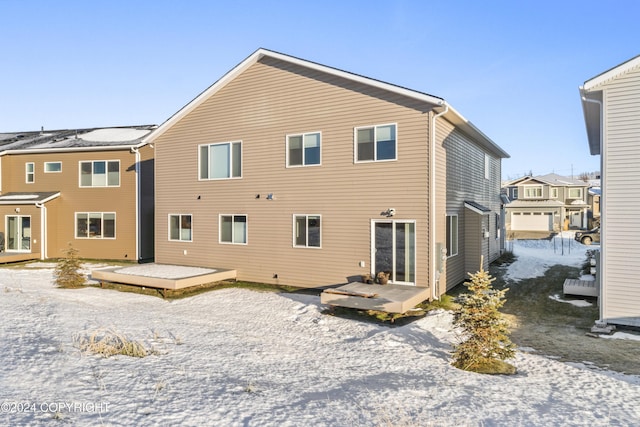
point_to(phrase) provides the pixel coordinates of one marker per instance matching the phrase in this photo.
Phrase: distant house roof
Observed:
(550, 179)
(433, 101)
(591, 95)
(74, 140)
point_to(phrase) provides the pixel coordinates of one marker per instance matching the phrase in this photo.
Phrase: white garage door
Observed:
(532, 221)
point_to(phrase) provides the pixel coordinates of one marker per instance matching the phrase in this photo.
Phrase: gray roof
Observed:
(74, 138)
(552, 179)
(27, 198)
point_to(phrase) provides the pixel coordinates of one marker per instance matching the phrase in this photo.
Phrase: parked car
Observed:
(588, 237)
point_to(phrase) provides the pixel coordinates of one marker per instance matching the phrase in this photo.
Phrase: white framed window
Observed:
(375, 143)
(180, 227)
(533, 191)
(498, 226)
(514, 194)
(233, 229)
(18, 233)
(52, 167)
(220, 160)
(487, 166)
(452, 235)
(575, 193)
(95, 225)
(553, 192)
(100, 173)
(303, 149)
(30, 172)
(307, 232)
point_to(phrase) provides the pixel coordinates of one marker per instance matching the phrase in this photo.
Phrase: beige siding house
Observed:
(92, 188)
(296, 173)
(611, 105)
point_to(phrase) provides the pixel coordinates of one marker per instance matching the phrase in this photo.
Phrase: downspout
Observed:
(432, 204)
(603, 234)
(43, 230)
(137, 172)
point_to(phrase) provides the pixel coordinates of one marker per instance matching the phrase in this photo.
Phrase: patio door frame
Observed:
(393, 222)
(20, 232)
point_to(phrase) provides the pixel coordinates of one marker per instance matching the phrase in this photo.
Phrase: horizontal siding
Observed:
(259, 108)
(61, 214)
(620, 206)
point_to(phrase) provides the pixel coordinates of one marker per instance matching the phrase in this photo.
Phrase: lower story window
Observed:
(452, 235)
(233, 229)
(306, 231)
(180, 227)
(95, 225)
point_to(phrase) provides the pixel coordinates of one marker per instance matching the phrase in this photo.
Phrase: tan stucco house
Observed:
(611, 106)
(92, 188)
(297, 173)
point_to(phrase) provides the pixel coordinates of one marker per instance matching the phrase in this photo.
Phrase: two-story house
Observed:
(297, 173)
(92, 188)
(546, 203)
(611, 106)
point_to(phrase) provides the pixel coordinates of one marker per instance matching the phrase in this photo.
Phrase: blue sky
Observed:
(511, 67)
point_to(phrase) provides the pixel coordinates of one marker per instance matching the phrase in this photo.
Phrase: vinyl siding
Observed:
(620, 205)
(269, 100)
(465, 180)
(72, 199)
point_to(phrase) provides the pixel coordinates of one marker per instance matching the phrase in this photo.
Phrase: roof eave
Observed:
(591, 105)
(470, 129)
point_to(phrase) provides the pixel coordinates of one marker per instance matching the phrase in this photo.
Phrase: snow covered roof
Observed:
(27, 198)
(75, 139)
(550, 179)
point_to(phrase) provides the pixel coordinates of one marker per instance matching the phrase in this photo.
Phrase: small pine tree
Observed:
(67, 272)
(486, 331)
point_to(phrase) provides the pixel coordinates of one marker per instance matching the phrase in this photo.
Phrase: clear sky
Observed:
(511, 67)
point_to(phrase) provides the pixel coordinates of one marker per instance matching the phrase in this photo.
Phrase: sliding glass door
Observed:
(394, 250)
(18, 233)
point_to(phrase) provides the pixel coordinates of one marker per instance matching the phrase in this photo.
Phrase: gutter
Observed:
(43, 230)
(136, 151)
(603, 232)
(432, 204)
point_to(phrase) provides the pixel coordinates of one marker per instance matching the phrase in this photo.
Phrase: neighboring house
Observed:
(595, 194)
(92, 188)
(611, 106)
(293, 172)
(546, 203)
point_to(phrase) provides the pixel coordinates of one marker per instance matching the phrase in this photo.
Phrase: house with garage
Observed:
(292, 172)
(92, 188)
(546, 203)
(611, 107)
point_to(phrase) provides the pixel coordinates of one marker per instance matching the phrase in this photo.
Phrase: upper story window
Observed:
(533, 191)
(376, 143)
(220, 160)
(487, 166)
(180, 227)
(52, 167)
(303, 149)
(100, 173)
(553, 193)
(575, 193)
(30, 172)
(514, 194)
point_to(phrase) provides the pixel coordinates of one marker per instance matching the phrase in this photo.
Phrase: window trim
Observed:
(106, 162)
(246, 229)
(375, 140)
(529, 187)
(52, 163)
(230, 144)
(180, 227)
(449, 237)
(303, 134)
(294, 229)
(88, 237)
(32, 173)
(553, 192)
(578, 189)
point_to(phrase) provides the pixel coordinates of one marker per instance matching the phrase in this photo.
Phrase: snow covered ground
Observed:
(236, 357)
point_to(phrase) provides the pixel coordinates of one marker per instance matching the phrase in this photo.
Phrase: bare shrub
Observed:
(109, 342)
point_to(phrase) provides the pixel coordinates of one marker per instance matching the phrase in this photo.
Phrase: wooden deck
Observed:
(149, 280)
(584, 288)
(7, 257)
(388, 298)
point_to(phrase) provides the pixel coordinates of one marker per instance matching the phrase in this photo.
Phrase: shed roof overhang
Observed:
(477, 207)
(28, 198)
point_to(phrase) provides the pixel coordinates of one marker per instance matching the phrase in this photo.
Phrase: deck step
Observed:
(585, 288)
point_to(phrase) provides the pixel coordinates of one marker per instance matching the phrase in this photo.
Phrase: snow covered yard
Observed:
(245, 358)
